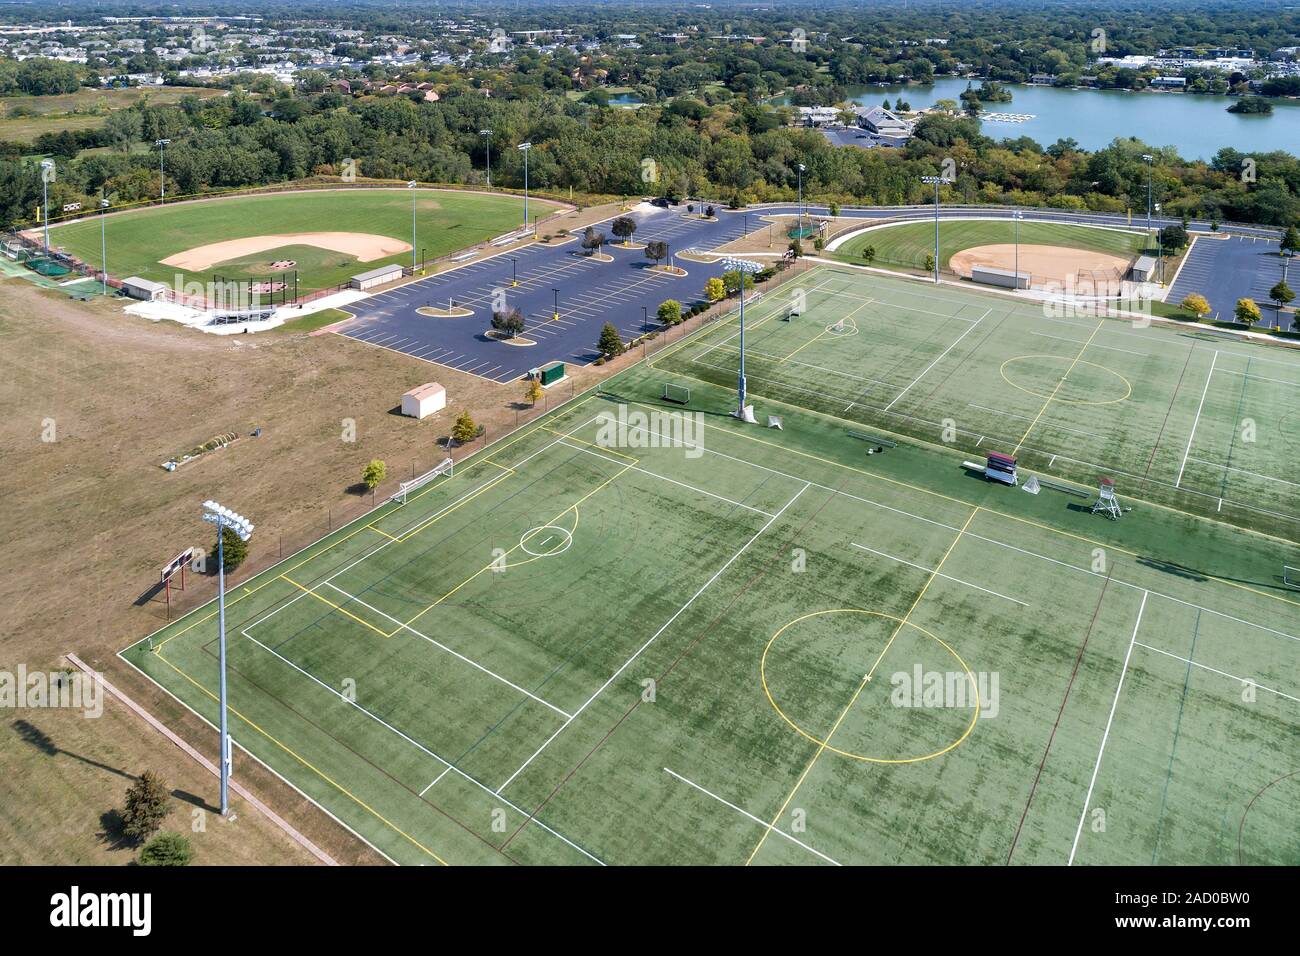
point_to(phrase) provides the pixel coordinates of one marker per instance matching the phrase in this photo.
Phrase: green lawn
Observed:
(23, 118)
(448, 220)
(593, 645)
(909, 243)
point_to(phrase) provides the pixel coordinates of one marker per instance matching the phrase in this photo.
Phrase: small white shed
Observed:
(424, 400)
(138, 288)
(380, 276)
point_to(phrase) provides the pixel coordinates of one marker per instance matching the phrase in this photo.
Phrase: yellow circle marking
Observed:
(1128, 386)
(848, 753)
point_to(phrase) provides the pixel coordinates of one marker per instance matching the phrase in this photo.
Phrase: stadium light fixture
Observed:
(742, 268)
(162, 182)
(524, 148)
(487, 134)
(936, 181)
(224, 518)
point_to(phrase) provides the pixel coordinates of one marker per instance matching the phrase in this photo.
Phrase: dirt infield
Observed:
(1045, 264)
(366, 247)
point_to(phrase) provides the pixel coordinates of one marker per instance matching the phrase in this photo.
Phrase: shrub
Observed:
(167, 849)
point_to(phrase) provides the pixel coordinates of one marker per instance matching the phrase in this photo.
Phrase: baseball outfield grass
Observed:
(446, 220)
(908, 244)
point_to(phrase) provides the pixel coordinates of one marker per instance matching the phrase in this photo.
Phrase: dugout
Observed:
(1006, 278)
(380, 276)
(143, 289)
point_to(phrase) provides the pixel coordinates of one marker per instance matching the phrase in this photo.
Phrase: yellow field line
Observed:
(341, 610)
(433, 519)
(384, 533)
(821, 749)
(1077, 357)
(493, 563)
(347, 793)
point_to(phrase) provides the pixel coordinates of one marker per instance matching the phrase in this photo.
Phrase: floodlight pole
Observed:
(47, 167)
(741, 267)
(801, 167)
(224, 518)
(411, 186)
(221, 630)
(1149, 160)
(162, 181)
(103, 243)
(1019, 215)
(937, 181)
(487, 135)
(524, 148)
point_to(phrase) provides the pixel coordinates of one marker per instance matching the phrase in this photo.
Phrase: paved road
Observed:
(1225, 270)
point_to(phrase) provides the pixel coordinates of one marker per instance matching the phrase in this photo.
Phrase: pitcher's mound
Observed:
(1045, 264)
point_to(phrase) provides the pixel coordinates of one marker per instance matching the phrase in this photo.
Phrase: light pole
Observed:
(741, 267)
(524, 148)
(47, 173)
(1149, 159)
(487, 134)
(645, 313)
(937, 181)
(514, 272)
(103, 241)
(411, 186)
(162, 182)
(223, 518)
(555, 315)
(802, 169)
(1019, 215)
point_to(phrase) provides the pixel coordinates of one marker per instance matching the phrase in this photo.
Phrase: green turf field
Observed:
(590, 645)
(908, 244)
(1183, 417)
(447, 220)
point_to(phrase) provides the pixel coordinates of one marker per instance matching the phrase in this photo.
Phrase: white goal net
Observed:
(406, 487)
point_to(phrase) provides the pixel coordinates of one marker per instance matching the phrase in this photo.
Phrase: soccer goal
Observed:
(1291, 576)
(677, 394)
(406, 487)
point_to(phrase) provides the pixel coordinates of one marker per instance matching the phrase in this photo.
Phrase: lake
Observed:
(1197, 125)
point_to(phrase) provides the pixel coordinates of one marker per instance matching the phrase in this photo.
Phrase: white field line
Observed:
(1197, 420)
(410, 528)
(1109, 348)
(1260, 378)
(645, 471)
(421, 747)
(968, 331)
(1001, 544)
(938, 574)
(1242, 471)
(1242, 680)
(443, 647)
(1136, 587)
(750, 816)
(775, 300)
(653, 637)
(1106, 733)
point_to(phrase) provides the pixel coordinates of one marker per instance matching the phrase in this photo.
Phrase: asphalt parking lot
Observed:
(1225, 270)
(585, 292)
